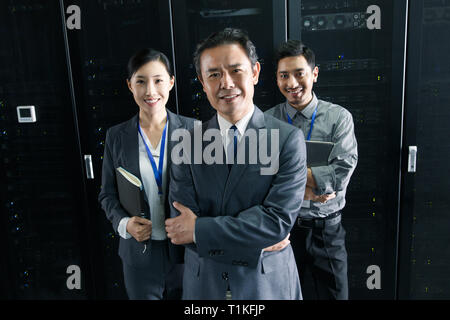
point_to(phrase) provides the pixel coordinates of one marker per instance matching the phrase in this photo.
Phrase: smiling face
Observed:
(151, 85)
(228, 80)
(295, 79)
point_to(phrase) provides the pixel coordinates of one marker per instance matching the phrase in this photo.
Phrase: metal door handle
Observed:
(88, 165)
(412, 157)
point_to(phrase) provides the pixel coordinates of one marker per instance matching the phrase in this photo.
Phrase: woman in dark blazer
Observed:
(152, 265)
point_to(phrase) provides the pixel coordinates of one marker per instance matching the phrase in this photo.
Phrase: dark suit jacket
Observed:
(122, 150)
(239, 214)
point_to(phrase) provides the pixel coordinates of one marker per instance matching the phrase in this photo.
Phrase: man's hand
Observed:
(180, 229)
(139, 228)
(280, 245)
(323, 198)
(310, 181)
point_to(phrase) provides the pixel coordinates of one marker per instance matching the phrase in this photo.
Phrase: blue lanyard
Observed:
(312, 122)
(157, 172)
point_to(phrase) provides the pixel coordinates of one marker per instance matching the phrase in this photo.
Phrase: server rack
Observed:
(424, 251)
(362, 70)
(264, 21)
(50, 218)
(42, 197)
(111, 32)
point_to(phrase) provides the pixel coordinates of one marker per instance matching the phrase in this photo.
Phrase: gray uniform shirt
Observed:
(333, 123)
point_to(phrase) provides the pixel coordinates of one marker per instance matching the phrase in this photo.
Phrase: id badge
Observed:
(306, 204)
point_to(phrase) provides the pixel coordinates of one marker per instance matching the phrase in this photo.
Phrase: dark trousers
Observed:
(161, 280)
(321, 251)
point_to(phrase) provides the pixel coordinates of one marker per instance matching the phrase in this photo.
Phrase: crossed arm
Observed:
(253, 229)
(181, 229)
(327, 180)
(311, 185)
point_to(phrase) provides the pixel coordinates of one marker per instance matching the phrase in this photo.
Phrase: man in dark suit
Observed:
(228, 214)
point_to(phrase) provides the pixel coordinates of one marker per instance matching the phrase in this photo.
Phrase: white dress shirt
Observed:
(241, 125)
(157, 207)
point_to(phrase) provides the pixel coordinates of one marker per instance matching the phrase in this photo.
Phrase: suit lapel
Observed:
(256, 122)
(174, 123)
(220, 170)
(130, 147)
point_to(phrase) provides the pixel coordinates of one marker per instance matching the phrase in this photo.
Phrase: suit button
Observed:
(225, 276)
(221, 252)
(211, 253)
(245, 264)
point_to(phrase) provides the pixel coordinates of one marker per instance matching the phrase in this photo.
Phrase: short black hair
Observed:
(146, 55)
(293, 48)
(226, 36)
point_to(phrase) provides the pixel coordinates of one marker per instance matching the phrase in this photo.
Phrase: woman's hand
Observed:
(139, 228)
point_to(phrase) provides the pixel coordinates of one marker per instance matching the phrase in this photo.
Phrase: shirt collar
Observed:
(307, 112)
(241, 125)
(144, 140)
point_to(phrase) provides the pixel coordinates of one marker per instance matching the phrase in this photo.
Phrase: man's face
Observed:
(295, 80)
(228, 80)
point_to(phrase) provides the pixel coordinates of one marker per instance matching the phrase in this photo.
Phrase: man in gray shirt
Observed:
(321, 237)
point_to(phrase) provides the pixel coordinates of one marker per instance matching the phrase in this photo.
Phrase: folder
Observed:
(317, 153)
(131, 193)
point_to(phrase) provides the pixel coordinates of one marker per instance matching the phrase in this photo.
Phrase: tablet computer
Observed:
(317, 153)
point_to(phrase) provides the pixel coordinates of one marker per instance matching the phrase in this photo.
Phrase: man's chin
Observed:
(230, 107)
(235, 111)
(295, 103)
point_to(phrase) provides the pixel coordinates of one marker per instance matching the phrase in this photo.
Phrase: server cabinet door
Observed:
(265, 23)
(361, 68)
(110, 33)
(425, 222)
(43, 206)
